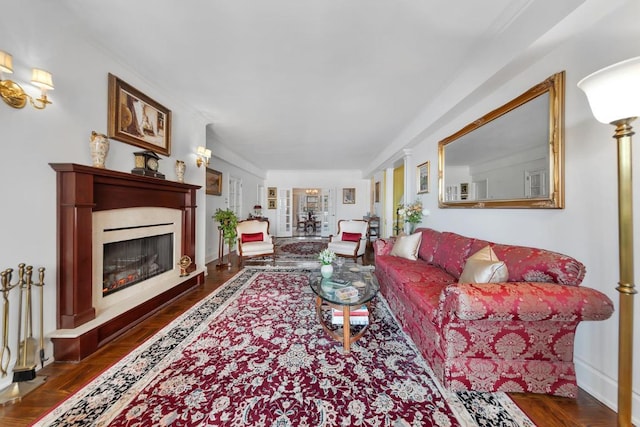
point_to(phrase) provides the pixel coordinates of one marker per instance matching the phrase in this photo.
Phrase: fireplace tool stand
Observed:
(25, 379)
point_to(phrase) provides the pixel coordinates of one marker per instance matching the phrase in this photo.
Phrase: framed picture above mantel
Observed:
(136, 119)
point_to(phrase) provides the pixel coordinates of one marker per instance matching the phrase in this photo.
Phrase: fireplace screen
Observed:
(132, 261)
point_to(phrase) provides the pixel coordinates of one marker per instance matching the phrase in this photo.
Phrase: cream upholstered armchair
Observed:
(351, 240)
(254, 239)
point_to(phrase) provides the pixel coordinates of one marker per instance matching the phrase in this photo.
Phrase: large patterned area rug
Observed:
(254, 354)
(297, 249)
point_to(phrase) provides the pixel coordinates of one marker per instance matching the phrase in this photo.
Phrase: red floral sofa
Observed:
(514, 336)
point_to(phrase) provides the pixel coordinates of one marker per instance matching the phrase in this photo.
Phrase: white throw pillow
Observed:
(484, 267)
(407, 246)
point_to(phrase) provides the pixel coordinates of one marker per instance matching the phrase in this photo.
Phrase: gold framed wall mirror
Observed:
(511, 157)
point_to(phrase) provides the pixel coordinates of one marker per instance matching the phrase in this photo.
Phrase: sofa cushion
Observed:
(484, 267)
(351, 237)
(452, 252)
(423, 298)
(527, 264)
(383, 246)
(256, 248)
(403, 271)
(479, 244)
(429, 244)
(252, 237)
(407, 246)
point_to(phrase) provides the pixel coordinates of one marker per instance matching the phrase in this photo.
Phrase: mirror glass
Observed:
(511, 157)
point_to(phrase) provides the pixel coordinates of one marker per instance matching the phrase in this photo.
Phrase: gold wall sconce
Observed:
(13, 94)
(204, 155)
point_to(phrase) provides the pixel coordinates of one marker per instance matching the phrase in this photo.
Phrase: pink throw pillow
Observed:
(252, 237)
(351, 237)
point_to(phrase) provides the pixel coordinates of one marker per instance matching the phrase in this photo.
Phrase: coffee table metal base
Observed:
(345, 338)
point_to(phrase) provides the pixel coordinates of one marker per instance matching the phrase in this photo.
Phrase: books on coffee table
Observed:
(357, 316)
(347, 293)
(336, 283)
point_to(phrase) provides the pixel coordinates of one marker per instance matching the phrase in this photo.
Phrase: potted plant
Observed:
(228, 222)
(411, 213)
(326, 257)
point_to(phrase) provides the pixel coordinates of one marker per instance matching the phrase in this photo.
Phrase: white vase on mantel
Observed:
(180, 168)
(326, 270)
(99, 146)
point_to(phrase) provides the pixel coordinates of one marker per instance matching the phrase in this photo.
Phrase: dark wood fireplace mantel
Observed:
(81, 191)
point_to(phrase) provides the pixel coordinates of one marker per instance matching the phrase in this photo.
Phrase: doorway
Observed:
(313, 213)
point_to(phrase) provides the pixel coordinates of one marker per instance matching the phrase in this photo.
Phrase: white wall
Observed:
(587, 228)
(40, 36)
(327, 180)
(250, 184)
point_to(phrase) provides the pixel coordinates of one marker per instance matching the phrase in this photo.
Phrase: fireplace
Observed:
(97, 209)
(135, 254)
(132, 261)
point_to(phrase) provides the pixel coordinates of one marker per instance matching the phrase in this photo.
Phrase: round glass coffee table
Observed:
(347, 291)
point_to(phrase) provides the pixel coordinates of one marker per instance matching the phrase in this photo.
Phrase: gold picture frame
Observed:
(348, 196)
(214, 182)
(272, 192)
(423, 179)
(271, 204)
(136, 119)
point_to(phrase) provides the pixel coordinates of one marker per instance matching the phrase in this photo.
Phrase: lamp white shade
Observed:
(6, 62)
(42, 79)
(203, 152)
(614, 92)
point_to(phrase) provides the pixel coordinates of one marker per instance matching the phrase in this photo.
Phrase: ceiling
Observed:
(316, 84)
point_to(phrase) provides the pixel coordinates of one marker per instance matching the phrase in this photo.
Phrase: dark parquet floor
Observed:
(63, 379)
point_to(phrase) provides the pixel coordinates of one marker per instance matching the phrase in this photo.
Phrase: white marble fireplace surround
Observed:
(152, 221)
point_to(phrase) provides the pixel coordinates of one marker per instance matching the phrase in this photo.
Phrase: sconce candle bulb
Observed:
(6, 62)
(204, 155)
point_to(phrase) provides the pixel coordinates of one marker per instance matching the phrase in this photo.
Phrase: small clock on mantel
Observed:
(146, 163)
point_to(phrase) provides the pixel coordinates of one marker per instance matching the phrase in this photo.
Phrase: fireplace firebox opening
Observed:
(132, 261)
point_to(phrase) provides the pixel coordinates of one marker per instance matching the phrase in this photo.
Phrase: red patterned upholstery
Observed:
(452, 252)
(513, 336)
(429, 244)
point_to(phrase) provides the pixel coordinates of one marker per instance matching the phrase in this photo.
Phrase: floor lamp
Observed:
(614, 97)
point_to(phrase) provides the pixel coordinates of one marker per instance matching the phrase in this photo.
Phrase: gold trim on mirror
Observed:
(512, 157)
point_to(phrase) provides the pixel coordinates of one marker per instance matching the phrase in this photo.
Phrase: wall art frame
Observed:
(422, 175)
(348, 196)
(136, 119)
(214, 182)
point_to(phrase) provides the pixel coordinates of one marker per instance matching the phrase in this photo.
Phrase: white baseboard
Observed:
(604, 388)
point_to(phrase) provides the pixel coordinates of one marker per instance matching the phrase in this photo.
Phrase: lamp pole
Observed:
(613, 94)
(625, 286)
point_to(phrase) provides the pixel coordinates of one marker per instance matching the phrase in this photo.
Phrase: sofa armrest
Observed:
(524, 301)
(383, 246)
